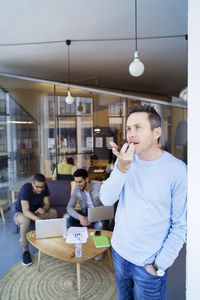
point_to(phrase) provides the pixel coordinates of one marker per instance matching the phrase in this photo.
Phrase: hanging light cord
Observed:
(68, 42)
(135, 25)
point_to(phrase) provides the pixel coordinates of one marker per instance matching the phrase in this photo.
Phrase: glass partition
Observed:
(74, 134)
(19, 144)
(24, 146)
(38, 128)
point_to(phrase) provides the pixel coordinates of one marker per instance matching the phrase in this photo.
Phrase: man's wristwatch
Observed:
(159, 272)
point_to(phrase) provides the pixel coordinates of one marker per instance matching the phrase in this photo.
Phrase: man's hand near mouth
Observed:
(125, 155)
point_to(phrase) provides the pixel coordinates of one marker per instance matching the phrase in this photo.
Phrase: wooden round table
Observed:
(58, 248)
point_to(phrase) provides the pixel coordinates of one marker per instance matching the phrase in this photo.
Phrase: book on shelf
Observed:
(101, 241)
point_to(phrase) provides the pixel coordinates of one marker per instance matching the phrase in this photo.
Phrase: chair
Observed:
(14, 193)
(65, 177)
(15, 227)
(59, 193)
(3, 202)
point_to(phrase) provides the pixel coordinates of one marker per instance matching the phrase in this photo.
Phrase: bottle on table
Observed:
(78, 248)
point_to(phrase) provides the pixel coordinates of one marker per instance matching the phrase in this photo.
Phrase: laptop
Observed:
(100, 213)
(50, 228)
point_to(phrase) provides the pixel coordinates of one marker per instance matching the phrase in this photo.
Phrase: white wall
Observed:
(193, 240)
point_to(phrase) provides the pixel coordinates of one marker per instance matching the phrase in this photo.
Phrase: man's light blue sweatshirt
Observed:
(150, 221)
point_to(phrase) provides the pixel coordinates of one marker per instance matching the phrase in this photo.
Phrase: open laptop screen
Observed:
(50, 228)
(100, 213)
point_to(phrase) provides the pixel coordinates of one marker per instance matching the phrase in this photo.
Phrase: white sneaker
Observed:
(99, 257)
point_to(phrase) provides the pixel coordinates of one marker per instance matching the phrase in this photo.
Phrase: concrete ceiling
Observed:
(96, 59)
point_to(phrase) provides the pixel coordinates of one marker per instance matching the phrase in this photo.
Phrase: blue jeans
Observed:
(135, 283)
(96, 225)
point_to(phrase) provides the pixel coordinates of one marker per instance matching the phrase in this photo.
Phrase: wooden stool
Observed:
(3, 202)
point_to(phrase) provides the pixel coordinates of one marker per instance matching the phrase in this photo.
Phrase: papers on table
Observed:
(77, 235)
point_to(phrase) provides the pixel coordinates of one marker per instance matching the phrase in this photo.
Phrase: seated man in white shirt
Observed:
(86, 193)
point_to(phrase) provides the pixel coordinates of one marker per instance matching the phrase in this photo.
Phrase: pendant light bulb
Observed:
(69, 99)
(136, 68)
(80, 107)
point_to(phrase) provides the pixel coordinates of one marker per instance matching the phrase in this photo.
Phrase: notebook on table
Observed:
(50, 228)
(100, 213)
(101, 241)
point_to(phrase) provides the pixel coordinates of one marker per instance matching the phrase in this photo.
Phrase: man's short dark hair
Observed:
(153, 117)
(70, 161)
(81, 173)
(39, 177)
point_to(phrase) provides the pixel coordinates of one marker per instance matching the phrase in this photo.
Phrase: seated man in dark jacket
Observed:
(86, 193)
(33, 204)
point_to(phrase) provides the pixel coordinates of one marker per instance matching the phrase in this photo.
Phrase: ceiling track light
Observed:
(69, 99)
(136, 68)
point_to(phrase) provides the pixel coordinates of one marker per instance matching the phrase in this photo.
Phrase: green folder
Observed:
(101, 241)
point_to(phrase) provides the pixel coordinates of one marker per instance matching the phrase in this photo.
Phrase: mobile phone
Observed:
(97, 232)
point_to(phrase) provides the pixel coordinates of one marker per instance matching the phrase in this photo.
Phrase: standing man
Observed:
(150, 221)
(33, 204)
(86, 193)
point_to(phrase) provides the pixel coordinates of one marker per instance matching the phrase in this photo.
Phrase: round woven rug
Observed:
(57, 280)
